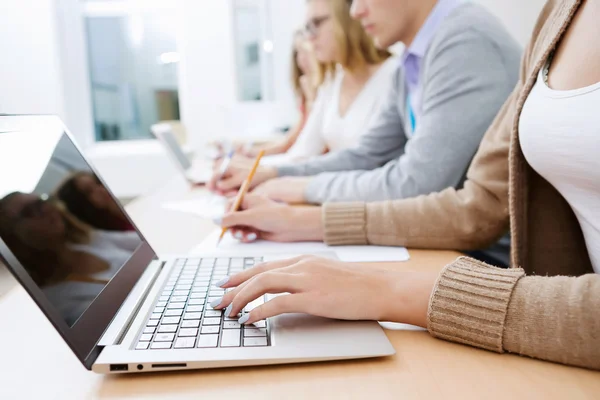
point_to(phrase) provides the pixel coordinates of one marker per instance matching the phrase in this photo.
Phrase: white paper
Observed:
(209, 206)
(232, 247)
(372, 254)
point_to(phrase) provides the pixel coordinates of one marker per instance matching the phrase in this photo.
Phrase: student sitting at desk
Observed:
(356, 74)
(546, 305)
(459, 67)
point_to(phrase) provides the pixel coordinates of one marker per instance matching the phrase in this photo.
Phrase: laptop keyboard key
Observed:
(170, 320)
(188, 332)
(230, 338)
(149, 329)
(258, 324)
(164, 337)
(210, 329)
(142, 346)
(146, 337)
(255, 332)
(194, 309)
(152, 322)
(231, 325)
(255, 341)
(192, 323)
(211, 321)
(208, 341)
(167, 328)
(179, 299)
(213, 313)
(161, 345)
(185, 343)
(173, 313)
(192, 315)
(175, 306)
(196, 301)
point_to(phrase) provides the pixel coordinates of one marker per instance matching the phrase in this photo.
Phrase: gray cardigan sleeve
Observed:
(384, 141)
(466, 83)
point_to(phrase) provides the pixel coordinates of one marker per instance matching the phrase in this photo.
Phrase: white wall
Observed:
(30, 79)
(209, 105)
(519, 16)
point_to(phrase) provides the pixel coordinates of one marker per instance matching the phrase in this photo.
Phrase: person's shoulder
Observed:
(472, 22)
(473, 30)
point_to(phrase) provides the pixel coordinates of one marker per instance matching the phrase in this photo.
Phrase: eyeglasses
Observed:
(312, 27)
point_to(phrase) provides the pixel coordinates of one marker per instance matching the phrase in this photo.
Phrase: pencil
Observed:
(242, 192)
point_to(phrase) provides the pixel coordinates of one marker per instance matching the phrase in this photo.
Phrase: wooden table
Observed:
(36, 364)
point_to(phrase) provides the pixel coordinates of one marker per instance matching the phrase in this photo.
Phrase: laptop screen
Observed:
(59, 221)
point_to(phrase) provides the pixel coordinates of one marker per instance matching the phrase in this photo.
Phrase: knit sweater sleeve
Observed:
(500, 310)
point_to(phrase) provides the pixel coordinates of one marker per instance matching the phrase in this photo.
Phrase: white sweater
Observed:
(326, 129)
(560, 138)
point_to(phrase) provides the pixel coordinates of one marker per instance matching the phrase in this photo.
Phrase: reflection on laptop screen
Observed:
(59, 220)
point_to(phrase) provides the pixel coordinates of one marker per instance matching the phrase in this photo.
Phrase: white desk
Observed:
(36, 364)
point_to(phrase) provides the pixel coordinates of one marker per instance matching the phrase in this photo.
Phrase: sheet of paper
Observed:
(231, 246)
(209, 206)
(372, 254)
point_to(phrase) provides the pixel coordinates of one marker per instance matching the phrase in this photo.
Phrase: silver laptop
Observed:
(195, 174)
(118, 305)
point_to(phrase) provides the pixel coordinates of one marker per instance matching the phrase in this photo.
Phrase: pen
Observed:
(243, 190)
(225, 164)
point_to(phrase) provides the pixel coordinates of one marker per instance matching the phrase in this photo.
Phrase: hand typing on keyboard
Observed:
(329, 288)
(181, 319)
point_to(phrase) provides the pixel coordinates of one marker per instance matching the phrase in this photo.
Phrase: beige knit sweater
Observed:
(551, 318)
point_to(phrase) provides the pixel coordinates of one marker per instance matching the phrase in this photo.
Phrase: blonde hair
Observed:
(317, 72)
(356, 48)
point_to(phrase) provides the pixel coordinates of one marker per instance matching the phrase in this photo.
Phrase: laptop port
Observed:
(169, 365)
(119, 367)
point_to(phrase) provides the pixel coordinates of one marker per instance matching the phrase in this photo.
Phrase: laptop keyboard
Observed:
(182, 317)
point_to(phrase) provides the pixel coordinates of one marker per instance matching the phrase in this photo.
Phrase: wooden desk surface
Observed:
(36, 364)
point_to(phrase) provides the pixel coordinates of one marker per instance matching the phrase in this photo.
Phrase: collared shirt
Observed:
(414, 54)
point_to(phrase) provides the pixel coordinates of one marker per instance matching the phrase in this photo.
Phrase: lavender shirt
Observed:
(412, 60)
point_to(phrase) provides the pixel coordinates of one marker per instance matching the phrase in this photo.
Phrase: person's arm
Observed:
(552, 319)
(469, 83)
(384, 141)
(472, 303)
(469, 218)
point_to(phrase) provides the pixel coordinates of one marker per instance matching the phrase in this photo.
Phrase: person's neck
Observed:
(360, 74)
(418, 20)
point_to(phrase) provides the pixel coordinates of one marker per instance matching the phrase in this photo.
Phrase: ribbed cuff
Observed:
(344, 224)
(469, 303)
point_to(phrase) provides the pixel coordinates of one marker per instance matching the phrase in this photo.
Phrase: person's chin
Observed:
(381, 42)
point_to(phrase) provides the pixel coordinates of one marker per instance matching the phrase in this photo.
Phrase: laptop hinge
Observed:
(130, 307)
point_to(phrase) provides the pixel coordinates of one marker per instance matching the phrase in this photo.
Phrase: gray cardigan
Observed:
(468, 72)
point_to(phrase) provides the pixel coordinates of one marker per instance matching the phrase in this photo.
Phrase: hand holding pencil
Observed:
(243, 190)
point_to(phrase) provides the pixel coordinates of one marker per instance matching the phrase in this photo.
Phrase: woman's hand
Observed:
(331, 289)
(263, 218)
(236, 174)
(288, 189)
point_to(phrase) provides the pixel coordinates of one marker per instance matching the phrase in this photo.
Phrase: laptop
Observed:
(194, 173)
(119, 306)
